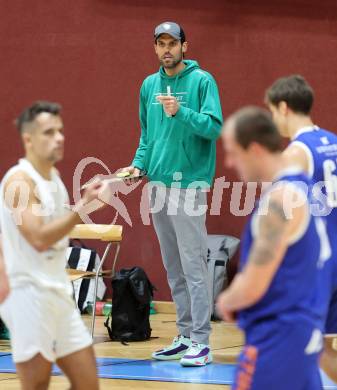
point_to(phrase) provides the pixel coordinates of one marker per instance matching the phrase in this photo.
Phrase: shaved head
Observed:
(253, 124)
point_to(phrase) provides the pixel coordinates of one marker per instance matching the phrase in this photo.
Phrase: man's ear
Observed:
(256, 148)
(283, 108)
(184, 47)
(26, 138)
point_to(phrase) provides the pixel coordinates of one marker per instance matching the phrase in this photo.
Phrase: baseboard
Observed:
(165, 307)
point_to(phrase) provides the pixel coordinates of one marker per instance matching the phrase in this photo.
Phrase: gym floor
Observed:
(226, 342)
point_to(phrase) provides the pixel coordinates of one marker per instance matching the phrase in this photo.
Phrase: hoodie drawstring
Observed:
(176, 79)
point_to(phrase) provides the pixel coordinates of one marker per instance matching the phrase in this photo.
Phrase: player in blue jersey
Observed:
(282, 247)
(314, 149)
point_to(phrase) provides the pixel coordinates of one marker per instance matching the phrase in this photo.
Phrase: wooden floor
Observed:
(226, 341)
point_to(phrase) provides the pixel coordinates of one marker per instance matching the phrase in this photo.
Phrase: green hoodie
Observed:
(184, 143)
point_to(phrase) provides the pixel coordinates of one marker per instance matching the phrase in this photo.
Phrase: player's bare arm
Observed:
(20, 197)
(274, 231)
(295, 155)
(4, 285)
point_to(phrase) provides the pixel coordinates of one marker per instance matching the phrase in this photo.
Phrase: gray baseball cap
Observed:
(170, 28)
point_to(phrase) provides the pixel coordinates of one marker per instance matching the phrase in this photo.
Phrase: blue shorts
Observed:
(278, 356)
(331, 318)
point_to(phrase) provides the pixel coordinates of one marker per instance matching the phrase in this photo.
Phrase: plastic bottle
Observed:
(102, 308)
(152, 308)
(107, 309)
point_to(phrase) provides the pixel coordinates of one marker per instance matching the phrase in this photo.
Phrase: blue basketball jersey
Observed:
(293, 290)
(321, 148)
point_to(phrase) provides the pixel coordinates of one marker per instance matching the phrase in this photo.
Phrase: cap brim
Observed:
(165, 32)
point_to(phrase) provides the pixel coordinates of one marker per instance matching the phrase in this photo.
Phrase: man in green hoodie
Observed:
(180, 117)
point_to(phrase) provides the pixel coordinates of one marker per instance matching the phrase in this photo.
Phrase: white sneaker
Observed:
(175, 351)
(197, 355)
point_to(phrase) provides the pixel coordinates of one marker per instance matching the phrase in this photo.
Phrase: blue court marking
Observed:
(169, 372)
(149, 370)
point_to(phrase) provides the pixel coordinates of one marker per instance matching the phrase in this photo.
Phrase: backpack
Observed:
(220, 250)
(132, 293)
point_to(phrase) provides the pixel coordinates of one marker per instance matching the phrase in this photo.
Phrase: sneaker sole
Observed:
(195, 363)
(165, 358)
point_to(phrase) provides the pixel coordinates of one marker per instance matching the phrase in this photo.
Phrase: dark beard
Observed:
(174, 64)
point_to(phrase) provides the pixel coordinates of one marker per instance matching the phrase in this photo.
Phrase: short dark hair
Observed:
(254, 124)
(295, 91)
(30, 113)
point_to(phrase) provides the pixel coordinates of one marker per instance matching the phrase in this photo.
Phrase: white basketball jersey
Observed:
(24, 264)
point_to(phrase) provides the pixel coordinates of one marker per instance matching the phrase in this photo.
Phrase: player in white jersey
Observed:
(40, 313)
(314, 150)
(4, 285)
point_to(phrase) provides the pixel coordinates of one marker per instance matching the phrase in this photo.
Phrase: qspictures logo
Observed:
(242, 197)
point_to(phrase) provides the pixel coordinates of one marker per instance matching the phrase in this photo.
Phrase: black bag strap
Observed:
(141, 286)
(106, 324)
(124, 337)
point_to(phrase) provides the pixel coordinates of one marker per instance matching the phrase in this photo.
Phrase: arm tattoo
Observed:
(272, 227)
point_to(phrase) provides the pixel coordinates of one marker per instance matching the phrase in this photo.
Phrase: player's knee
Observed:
(88, 383)
(330, 346)
(85, 381)
(329, 358)
(43, 385)
(40, 383)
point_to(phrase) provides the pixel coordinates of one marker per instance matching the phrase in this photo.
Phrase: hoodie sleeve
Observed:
(139, 158)
(208, 122)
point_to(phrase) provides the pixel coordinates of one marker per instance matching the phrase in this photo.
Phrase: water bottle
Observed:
(107, 309)
(102, 308)
(152, 308)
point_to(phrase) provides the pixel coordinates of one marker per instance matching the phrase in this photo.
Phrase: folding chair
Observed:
(112, 234)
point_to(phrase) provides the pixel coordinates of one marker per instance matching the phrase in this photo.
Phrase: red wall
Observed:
(92, 55)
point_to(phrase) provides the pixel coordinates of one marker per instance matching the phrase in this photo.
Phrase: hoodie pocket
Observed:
(167, 158)
(185, 152)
